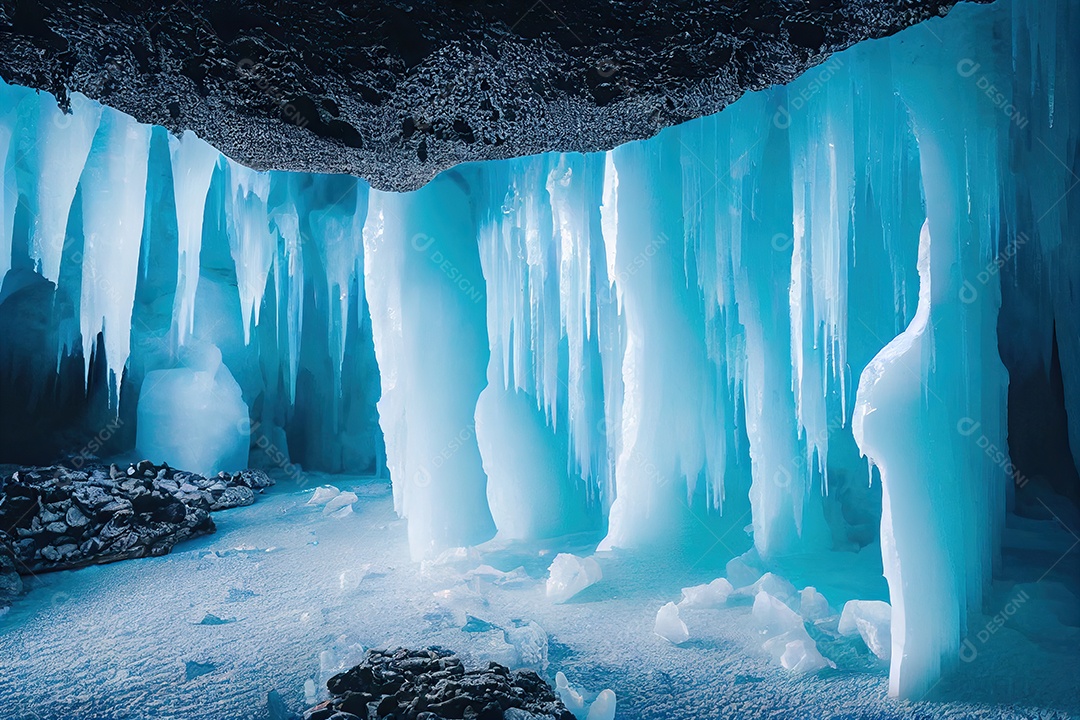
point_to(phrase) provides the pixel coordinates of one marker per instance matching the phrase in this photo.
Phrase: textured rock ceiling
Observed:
(395, 91)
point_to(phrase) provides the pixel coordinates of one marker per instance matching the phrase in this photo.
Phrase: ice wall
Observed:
(138, 247)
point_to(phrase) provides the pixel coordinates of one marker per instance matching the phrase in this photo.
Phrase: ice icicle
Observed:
(63, 144)
(193, 163)
(114, 192)
(252, 247)
(9, 198)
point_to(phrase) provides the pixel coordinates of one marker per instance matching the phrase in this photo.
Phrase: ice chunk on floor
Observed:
(339, 502)
(570, 697)
(669, 625)
(744, 570)
(773, 616)
(770, 583)
(531, 642)
(711, 595)
(194, 417)
(872, 620)
(800, 655)
(812, 604)
(569, 575)
(603, 707)
(323, 495)
(788, 642)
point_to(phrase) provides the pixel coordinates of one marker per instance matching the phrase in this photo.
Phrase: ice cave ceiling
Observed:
(396, 92)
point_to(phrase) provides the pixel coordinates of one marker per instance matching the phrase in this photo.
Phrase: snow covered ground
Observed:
(210, 630)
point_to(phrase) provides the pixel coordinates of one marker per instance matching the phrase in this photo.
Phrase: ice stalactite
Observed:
(114, 193)
(193, 164)
(543, 405)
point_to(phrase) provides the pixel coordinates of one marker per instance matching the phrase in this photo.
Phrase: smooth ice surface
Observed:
(669, 625)
(569, 574)
(194, 417)
(870, 619)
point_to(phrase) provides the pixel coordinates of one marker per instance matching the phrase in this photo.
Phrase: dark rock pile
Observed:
(433, 684)
(58, 518)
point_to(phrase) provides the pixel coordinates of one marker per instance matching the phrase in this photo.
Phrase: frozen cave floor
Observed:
(211, 629)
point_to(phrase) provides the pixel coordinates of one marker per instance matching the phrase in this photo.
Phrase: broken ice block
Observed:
(670, 626)
(712, 595)
(603, 707)
(812, 604)
(872, 620)
(323, 495)
(569, 575)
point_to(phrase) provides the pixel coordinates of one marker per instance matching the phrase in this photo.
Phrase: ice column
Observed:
(426, 291)
(668, 425)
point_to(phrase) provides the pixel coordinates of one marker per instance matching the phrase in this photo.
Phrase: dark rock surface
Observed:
(433, 684)
(396, 91)
(58, 518)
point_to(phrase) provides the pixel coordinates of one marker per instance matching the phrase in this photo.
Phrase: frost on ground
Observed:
(250, 623)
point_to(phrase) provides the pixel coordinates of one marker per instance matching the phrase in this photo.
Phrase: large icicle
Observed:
(63, 144)
(252, 246)
(114, 193)
(193, 163)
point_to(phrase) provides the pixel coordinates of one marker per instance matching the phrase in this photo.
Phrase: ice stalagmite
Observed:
(114, 193)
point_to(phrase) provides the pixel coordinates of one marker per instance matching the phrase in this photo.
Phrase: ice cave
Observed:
(763, 402)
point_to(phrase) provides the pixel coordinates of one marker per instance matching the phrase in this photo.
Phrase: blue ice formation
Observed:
(732, 317)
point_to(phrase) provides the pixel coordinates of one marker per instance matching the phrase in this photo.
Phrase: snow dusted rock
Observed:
(872, 620)
(712, 595)
(813, 605)
(569, 575)
(670, 626)
(61, 518)
(433, 684)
